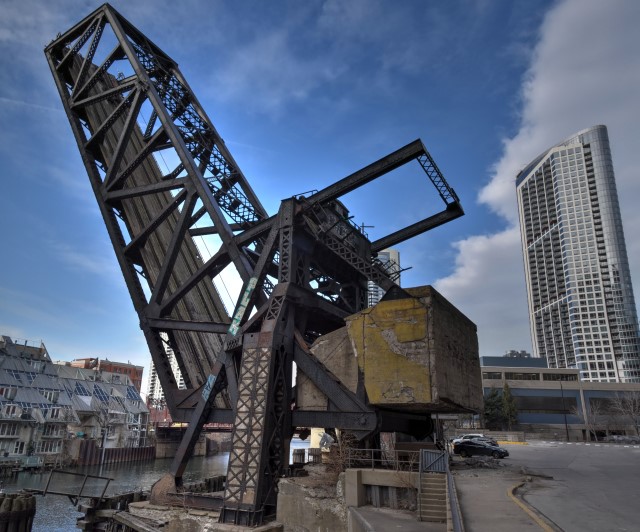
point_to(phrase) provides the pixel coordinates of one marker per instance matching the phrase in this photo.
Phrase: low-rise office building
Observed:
(556, 403)
(133, 372)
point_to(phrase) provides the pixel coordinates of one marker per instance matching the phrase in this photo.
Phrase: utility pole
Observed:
(104, 438)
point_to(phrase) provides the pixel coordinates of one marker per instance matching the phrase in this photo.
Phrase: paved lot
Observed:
(593, 487)
(485, 503)
(386, 520)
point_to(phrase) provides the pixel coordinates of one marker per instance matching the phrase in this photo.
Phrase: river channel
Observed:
(56, 513)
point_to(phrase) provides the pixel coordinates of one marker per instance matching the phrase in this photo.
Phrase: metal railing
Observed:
(75, 485)
(434, 461)
(418, 461)
(381, 459)
(456, 524)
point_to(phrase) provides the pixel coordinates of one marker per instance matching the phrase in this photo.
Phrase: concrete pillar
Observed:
(354, 489)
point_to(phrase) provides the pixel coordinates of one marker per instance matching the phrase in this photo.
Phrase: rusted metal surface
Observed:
(163, 178)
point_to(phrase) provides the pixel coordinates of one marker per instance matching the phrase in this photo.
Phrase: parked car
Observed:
(617, 438)
(466, 437)
(473, 447)
(486, 439)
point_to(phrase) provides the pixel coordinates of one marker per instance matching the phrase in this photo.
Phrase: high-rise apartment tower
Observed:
(155, 393)
(390, 258)
(581, 306)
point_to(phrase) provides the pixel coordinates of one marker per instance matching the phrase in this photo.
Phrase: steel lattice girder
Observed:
(130, 110)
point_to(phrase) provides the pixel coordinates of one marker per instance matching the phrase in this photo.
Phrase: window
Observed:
(9, 392)
(558, 377)
(48, 446)
(52, 430)
(100, 394)
(8, 429)
(522, 376)
(80, 389)
(11, 410)
(50, 395)
(548, 405)
(492, 375)
(132, 394)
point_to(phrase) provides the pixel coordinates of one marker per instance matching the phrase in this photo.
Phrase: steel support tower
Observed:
(304, 269)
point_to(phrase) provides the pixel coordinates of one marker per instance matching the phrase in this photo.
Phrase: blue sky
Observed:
(305, 93)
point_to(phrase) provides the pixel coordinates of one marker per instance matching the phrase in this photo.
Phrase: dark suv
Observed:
(475, 447)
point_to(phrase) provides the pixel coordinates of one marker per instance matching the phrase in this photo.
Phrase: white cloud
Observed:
(339, 51)
(85, 262)
(585, 71)
(269, 73)
(487, 286)
(28, 105)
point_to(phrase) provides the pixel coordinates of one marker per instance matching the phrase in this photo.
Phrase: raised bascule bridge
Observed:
(302, 312)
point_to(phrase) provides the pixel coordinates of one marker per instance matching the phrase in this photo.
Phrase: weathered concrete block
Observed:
(391, 346)
(307, 508)
(335, 352)
(418, 354)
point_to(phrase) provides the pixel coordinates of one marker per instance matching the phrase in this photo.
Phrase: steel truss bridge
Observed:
(304, 268)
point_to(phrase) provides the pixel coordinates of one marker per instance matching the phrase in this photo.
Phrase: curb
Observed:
(513, 443)
(360, 519)
(539, 519)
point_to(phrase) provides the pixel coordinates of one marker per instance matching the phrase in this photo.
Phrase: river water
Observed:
(56, 513)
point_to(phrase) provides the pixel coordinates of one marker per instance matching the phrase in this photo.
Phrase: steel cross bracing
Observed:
(129, 102)
(169, 190)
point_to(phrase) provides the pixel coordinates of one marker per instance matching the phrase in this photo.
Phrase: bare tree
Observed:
(102, 417)
(593, 420)
(627, 405)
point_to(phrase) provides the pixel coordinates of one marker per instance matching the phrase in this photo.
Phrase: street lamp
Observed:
(564, 410)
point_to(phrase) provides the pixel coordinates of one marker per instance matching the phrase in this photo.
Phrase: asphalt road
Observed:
(595, 487)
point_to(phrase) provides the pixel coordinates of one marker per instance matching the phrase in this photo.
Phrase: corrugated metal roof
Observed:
(29, 395)
(7, 379)
(50, 382)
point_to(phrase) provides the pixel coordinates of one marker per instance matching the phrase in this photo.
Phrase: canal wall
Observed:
(208, 445)
(168, 448)
(90, 454)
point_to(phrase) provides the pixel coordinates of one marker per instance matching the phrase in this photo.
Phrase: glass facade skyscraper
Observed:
(581, 306)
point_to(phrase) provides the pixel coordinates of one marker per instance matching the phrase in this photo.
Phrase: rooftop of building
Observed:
(98, 361)
(31, 382)
(572, 139)
(26, 348)
(513, 362)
